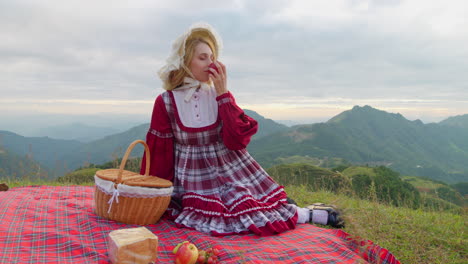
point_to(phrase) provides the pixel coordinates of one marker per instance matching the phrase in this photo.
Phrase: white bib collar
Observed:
(193, 85)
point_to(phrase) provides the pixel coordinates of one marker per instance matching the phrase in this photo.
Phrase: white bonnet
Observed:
(176, 57)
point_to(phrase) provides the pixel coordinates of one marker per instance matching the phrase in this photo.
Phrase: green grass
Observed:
(81, 176)
(22, 183)
(413, 236)
(422, 184)
(356, 170)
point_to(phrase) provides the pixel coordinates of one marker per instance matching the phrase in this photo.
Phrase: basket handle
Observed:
(124, 160)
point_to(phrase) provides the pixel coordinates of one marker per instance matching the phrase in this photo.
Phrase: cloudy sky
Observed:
(304, 61)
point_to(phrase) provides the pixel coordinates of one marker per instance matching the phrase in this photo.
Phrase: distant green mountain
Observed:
(265, 126)
(63, 156)
(47, 151)
(364, 135)
(108, 148)
(456, 121)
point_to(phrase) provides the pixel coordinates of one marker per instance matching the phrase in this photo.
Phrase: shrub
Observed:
(80, 176)
(315, 177)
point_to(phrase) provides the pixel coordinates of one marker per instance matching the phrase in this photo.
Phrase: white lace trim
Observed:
(253, 209)
(226, 225)
(250, 198)
(159, 134)
(131, 191)
(232, 207)
(224, 101)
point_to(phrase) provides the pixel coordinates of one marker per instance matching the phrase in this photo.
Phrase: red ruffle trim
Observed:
(212, 206)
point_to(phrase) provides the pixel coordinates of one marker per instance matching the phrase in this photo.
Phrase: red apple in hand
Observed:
(213, 66)
(185, 253)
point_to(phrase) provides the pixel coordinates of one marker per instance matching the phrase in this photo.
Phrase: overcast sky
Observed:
(288, 60)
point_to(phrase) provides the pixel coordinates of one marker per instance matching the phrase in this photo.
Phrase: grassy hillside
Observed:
(379, 183)
(436, 193)
(413, 236)
(304, 174)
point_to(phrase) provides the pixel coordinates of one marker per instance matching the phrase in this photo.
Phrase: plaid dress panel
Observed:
(223, 191)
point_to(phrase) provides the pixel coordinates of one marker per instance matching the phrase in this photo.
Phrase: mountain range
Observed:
(368, 136)
(76, 131)
(361, 135)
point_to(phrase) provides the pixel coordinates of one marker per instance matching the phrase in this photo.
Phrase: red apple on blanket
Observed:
(185, 253)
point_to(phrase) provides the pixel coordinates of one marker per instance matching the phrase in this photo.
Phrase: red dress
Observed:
(220, 188)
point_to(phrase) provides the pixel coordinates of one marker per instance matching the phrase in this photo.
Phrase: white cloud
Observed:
(445, 18)
(364, 52)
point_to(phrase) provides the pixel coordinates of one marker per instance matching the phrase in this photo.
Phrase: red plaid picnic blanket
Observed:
(48, 224)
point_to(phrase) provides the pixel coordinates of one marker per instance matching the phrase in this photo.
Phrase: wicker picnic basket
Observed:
(129, 197)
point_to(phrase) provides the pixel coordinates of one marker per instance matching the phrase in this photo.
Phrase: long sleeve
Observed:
(238, 128)
(160, 140)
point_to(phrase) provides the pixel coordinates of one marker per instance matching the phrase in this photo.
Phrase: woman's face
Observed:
(202, 58)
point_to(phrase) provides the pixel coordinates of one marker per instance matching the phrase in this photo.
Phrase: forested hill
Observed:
(456, 121)
(14, 166)
(266, 126)
(48, 152)
(365, 135)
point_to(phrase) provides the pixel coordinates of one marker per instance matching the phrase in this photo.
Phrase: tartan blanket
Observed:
(49, 224)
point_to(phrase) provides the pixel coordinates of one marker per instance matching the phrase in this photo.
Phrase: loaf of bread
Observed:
(133, 245)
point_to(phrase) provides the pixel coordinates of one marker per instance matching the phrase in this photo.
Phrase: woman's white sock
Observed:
(318, 216)
(303, 215)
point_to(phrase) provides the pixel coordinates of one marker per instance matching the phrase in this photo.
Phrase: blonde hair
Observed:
(176, 77)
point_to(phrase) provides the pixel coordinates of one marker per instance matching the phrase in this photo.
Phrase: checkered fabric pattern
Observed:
(57, 225)
(223, 191)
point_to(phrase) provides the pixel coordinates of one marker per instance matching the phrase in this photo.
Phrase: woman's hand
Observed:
(219, 78)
